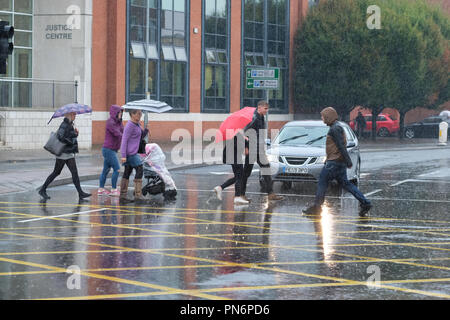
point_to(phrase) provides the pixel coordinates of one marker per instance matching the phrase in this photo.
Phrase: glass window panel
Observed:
(6, 5)
(179, 76)
(271, 47)
(249, 29)
(153, 14)
(259, 60)
(23, 6)
(137, 16)
(281, 33)
(210, 8)
(167, 5)
(168, 53)
(222, 57)
(259, 10)
(166, 78)
(152, 4)
(249, 60)
(272, 61)
(248, 10)
(180, 53)
(152, 36)
(259, 30)
(138, 50)
(221, 81)
(152, 52)
(22, 63)
(222, 26)
(167, 20)
(6, 17)
(282, 8)
(211, 56)
(137, 34)
(210, 25)
(272, 11)
(221, 9)
(166, 36)
(281, 48)
(259, 46)
(137, 76)
(281, 62)
(248, 44)
(23, 22)
(221, 43)
(179, 103)
(152, 74)
(138, 3)
(23, 39)
(210, 41)
(272, 32)
(178, 23)
(178, 39)
(178, 5)
(209, 73)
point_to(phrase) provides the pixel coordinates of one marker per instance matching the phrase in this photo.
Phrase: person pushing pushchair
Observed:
(158, 177)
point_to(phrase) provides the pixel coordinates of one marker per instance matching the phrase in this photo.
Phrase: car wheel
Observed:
(287, 185)
(409, 133)
(383, 132)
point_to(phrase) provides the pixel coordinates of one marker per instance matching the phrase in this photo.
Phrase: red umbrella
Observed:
(235, 122)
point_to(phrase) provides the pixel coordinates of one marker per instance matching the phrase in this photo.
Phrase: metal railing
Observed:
(36, 93)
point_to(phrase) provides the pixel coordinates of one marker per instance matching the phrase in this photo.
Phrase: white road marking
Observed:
(400, 182)
(64, 215)
(373, 192)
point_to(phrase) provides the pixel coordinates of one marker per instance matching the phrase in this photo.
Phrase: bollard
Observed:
(443, 128)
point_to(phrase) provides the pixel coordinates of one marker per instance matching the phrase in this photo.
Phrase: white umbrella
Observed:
(148, 105)
(445, 113)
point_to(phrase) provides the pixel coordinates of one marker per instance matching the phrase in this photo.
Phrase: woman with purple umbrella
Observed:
(67, 134)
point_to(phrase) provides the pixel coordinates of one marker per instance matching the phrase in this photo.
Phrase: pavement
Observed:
(25, 170)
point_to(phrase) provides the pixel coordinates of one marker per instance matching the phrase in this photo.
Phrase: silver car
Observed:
(298, 153)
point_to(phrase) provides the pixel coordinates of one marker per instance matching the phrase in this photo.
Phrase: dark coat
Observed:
(67, 135)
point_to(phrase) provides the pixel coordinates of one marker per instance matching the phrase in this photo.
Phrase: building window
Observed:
(19, 13)
(215, 69)
(157, 60)
(312, 3)
(265, 44)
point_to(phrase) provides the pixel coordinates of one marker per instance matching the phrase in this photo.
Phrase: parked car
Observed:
(427, 128)
(386, 125)
(298, 153)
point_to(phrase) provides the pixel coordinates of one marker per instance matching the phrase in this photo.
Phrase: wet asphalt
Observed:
(198, 247)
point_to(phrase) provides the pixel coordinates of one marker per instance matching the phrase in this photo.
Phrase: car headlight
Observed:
(321, 160)
(272, 157)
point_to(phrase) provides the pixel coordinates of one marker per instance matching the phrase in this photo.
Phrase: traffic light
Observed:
(6, 47)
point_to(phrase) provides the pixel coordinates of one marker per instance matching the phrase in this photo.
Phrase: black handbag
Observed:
(54, 145)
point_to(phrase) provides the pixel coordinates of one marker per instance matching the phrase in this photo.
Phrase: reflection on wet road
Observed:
(202, 248)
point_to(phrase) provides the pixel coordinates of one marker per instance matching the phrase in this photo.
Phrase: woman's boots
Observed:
(124, 191)
(138, 190)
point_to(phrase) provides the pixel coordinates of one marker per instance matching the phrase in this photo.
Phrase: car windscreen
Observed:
(302, 135)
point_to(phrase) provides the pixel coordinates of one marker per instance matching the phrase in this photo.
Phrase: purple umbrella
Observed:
(69, 108)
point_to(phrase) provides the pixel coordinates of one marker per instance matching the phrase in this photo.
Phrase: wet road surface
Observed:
(200, 248)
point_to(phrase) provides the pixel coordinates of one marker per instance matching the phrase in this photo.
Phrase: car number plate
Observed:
(297, 170)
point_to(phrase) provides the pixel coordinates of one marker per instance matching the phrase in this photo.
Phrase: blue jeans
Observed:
(110, 161)
(336, 170)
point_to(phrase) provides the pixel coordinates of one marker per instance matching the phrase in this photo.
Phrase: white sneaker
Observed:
(240, 200)
(218, 191)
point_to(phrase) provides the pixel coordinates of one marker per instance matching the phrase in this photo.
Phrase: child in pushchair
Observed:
(158, 177)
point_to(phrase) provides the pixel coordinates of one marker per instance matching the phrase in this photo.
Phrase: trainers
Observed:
(245, 197)
(218, 191)
(240, 200)
(364, 209)
(312, 210)
(274, 197)
(115, 193)
(103, 192)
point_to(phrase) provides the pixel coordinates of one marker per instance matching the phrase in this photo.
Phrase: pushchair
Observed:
(158, 177)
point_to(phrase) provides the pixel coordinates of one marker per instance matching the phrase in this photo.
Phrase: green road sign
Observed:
(263, 78)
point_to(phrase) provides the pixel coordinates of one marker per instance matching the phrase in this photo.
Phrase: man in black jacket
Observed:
(361, 124)
(257, 129)
(336, 165)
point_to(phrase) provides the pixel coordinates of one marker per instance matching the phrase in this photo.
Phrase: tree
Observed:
(342, 63)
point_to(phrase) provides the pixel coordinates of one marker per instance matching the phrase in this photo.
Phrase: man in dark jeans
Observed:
(255, 130)
(336, 166)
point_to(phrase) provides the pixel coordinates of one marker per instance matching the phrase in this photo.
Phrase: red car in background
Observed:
(386, 125)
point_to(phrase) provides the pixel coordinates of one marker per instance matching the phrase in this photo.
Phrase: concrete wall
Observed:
(62, 43)
(28, 130)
